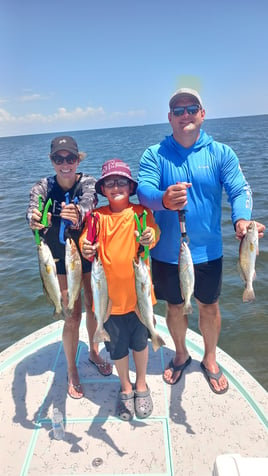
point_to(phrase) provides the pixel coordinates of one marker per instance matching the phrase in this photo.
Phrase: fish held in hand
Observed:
(186, 275)
(101, 299)
(144, 301)
(73, 267)
(49, 278)
(248, 250)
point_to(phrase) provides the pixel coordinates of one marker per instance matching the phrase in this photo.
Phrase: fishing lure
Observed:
(184, 236)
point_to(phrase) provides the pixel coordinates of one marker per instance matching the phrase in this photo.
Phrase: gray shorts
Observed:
(208, 281)
(126, 332)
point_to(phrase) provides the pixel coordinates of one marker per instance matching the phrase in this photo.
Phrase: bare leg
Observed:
(125, 402)
(143, 404)
(177, 324)
(141, 361)
(122, 367)
(210, 326)
(91, 323)
(70, 338)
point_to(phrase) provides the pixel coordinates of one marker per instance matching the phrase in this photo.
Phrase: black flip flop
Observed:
(216, 377)
(177, 368)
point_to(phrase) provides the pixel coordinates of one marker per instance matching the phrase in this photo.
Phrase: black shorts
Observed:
(60, 266)
(126, 332)
(208, 281)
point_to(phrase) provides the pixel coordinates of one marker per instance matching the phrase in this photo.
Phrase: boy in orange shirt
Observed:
(116, 248)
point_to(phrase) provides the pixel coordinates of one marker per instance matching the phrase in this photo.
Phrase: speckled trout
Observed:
(101, 299)
(73, 267)
(49, 278)
(248, 250)
(186, 274)
(144, 301)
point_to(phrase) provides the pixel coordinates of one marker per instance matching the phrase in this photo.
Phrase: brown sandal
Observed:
(75, 391)
(104, 369)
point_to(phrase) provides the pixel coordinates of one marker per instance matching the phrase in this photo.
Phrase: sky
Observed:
(69, 65)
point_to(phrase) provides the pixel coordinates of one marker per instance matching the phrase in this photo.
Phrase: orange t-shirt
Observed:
(118, 247)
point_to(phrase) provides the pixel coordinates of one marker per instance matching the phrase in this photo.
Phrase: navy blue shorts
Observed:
(208, 281)
(126, 332)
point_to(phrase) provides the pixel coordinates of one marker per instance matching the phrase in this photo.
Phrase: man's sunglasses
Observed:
(58, 159)
(110, 183)
(180, 110)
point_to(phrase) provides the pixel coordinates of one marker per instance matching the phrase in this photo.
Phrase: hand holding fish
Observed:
(70, 212)
(175, 196)
(35, 223)
(88, 249)
(147, 237)
(241, 228)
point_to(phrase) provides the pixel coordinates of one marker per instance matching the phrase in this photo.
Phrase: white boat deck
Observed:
(189, 427)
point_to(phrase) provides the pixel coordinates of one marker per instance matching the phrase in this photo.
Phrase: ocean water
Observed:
(24, 160)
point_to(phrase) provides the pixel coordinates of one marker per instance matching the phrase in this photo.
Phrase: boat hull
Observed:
(189, 427)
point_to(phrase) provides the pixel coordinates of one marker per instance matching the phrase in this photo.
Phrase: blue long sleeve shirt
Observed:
(209, 166)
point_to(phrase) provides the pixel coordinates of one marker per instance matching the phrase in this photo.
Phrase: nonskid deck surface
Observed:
(189, 426)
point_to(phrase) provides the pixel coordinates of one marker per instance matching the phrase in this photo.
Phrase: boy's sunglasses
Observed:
(180, 110)
(123, 182)
(58, 159)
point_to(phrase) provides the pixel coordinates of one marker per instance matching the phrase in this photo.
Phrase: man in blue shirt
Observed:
(189, 170)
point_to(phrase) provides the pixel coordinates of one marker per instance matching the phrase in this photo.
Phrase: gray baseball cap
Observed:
(185, 92)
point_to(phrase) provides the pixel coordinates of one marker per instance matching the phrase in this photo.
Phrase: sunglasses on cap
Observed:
(110, 183)
(192, 110)
(59, 159)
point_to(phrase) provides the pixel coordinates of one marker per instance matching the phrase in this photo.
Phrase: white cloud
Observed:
(78, 113)
(5, 116)
(61, 114)
(30, 97)
(64, 119)
(129, 114)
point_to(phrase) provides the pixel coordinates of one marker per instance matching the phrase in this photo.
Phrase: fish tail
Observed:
(248, 295)
(157, 342)
(59, 315)
(59, 311)
(70, 308)
(72, 302)
(101, 335)
(187, 309)
(68, 312)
